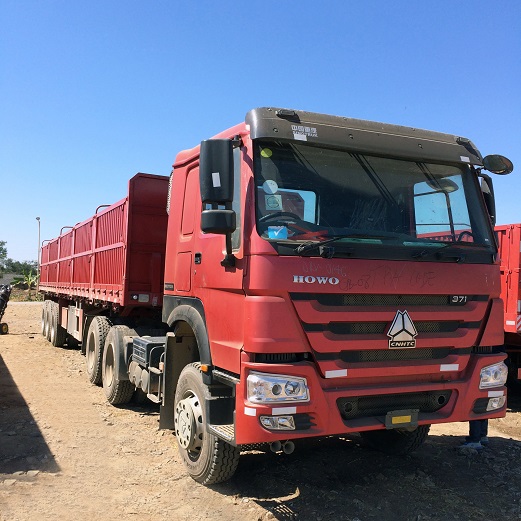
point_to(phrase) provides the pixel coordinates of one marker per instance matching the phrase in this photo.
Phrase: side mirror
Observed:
(487, 189)
(498, 164)
(218, 221)
(216, 184)
(216, 171)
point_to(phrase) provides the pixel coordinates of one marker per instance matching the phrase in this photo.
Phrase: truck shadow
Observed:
(22, 445)
(339, 479)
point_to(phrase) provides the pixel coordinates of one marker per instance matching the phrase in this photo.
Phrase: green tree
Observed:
(3, 255)
(12, 266)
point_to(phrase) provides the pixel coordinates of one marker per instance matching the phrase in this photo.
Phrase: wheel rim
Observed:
(90, 353)
(46, 323)
(188, 423)
(108, 368)
(43, 321)
(52, 332)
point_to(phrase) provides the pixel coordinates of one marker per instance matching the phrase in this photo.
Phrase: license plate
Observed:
(400, 419)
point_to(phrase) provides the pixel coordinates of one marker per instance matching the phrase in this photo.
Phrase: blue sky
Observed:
(93, 92)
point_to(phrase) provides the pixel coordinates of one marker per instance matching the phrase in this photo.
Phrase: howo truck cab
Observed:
(356, 288)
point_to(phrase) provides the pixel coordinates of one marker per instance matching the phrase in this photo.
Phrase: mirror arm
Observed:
(489, 197)
(229, 258)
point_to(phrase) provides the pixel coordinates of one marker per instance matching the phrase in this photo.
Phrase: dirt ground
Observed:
(65, 453)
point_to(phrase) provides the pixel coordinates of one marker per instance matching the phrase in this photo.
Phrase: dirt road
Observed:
(67, 454)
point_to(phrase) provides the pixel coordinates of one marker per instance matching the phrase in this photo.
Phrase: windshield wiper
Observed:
(458, 257)
(328, 252)
(324, 251)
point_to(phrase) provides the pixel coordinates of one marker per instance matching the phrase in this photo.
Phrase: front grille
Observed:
(364, 300)
(482, 350)
(377, 328)
(369, 406)
(389, 355)
(278, 358)
(392, 355)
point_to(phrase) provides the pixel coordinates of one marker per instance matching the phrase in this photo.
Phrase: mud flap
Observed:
(166, 410)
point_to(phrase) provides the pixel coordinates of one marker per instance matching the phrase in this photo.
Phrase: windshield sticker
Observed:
(302, 133)
(273, 202)
(277, 232)
(266, 152)
(270, 186)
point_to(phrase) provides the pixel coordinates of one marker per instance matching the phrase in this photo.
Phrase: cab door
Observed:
(220, 288)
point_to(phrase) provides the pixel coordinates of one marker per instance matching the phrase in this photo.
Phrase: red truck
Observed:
(509, 241)
(299, 275)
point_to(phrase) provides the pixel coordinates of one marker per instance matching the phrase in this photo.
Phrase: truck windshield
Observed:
(363, 204)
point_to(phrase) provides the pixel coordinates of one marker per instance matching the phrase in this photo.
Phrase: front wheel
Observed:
(209, 460)
(397, 442)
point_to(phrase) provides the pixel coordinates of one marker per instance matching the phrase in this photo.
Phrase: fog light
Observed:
(496, 403)
(278, 423)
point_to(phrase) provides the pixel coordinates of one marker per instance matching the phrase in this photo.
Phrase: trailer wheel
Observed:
(57, 333)
(4, 328)
(397, 442)
(117, 391)
(98, 330)
(209, 460)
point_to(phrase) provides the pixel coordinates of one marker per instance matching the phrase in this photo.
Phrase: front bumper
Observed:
(340, 405)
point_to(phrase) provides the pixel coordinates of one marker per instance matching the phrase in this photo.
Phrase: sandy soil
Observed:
(65, 453)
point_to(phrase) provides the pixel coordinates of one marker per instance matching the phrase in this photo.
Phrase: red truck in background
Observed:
(299, 275)
(509, 241)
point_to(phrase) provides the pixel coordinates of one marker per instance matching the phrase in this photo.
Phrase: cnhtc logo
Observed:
(402, 332)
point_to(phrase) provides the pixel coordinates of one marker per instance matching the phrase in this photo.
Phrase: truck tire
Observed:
(57, 333)
(396, 442)
(117, 391)
(98, 331)
(208, 459)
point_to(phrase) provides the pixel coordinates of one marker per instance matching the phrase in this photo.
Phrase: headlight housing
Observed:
(276, 388)
(493, 376)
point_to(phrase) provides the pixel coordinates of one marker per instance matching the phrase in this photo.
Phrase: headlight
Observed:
(493, 376)
(268, 388)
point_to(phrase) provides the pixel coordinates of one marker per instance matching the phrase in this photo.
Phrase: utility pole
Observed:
(38, 250)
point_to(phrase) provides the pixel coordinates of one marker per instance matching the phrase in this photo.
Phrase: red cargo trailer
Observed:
(112, 262)
(322, 276)
(509, 239)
